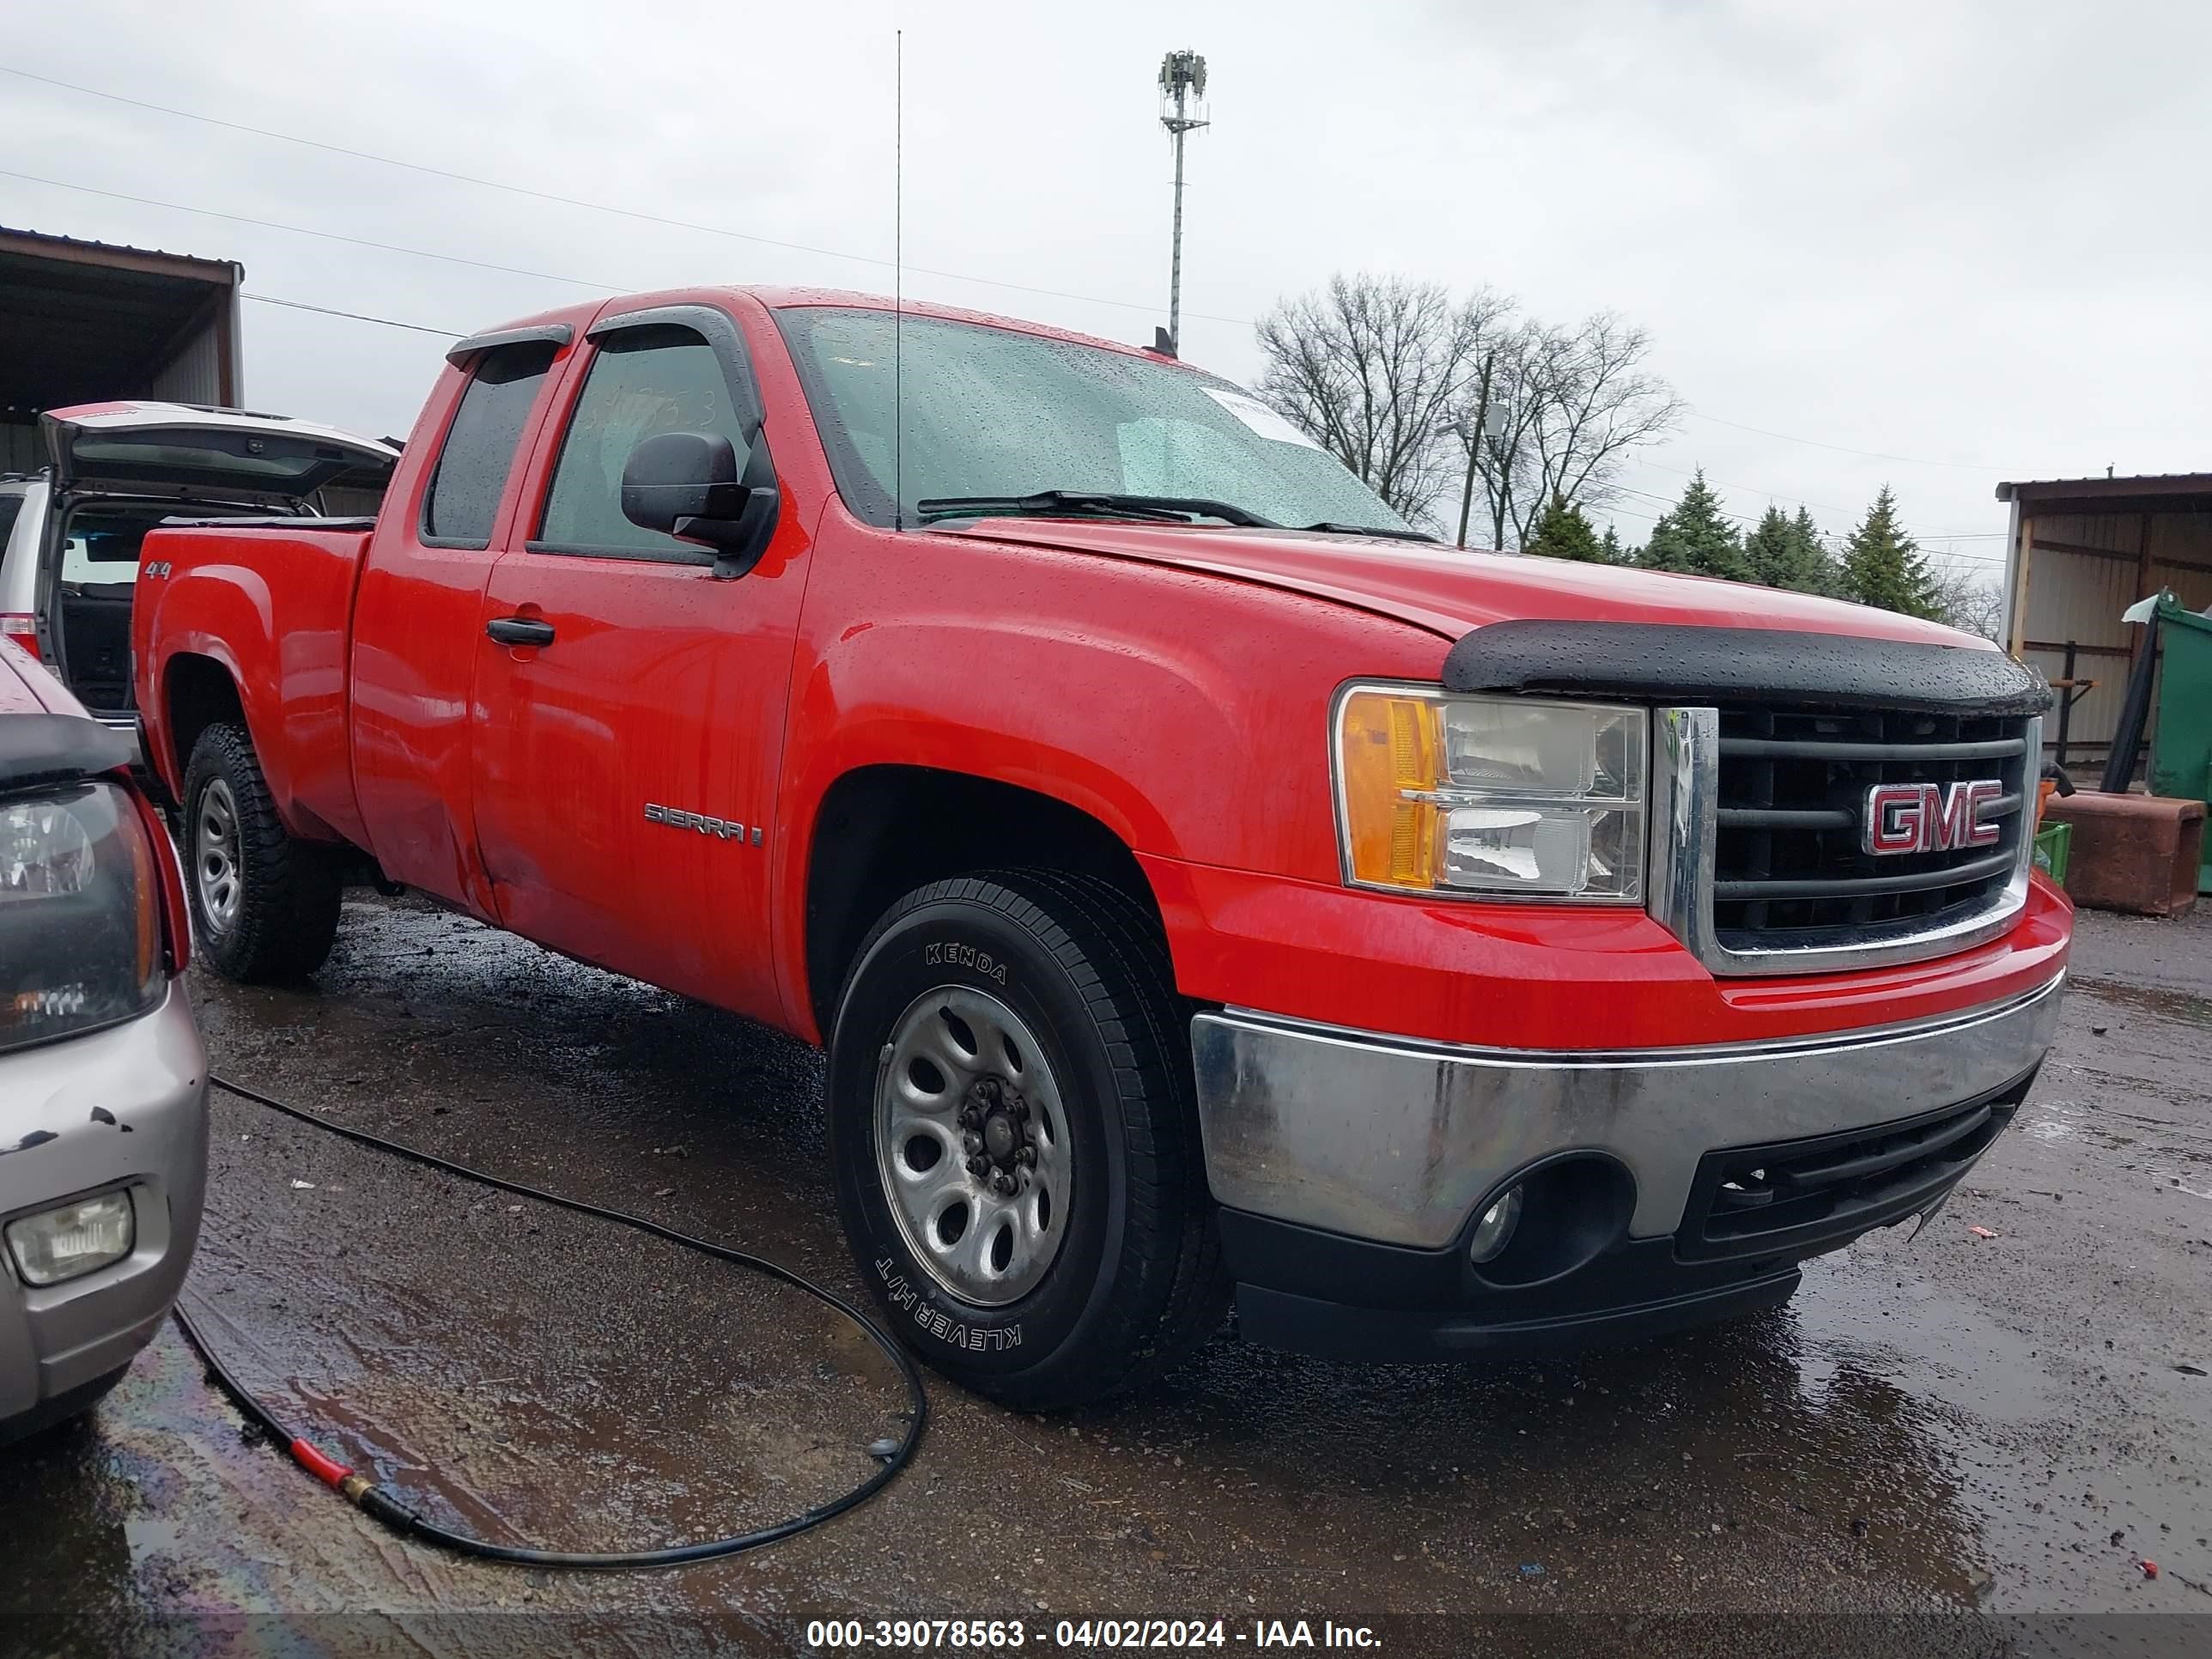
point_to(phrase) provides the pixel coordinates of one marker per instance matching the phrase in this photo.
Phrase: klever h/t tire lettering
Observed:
(1085, 1293)
(901, 1296)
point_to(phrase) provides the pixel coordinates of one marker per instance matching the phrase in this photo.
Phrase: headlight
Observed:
(73, 1241)
(80, 916)
(1503, 797)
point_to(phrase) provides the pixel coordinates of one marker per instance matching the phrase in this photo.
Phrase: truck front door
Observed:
(629, 706)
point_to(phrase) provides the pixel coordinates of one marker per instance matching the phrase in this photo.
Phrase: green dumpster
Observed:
(2052, 843)
(2181, 752)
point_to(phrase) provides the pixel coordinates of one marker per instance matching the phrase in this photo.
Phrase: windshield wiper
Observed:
(1336, 529)
(1086, 503)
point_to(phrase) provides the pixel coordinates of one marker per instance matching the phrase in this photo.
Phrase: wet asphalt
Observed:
(1965, 1441)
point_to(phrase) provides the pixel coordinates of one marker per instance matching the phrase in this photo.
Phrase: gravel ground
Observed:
(1948, 1443)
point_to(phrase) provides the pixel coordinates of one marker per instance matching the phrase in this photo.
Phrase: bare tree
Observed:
(1404, 386)
(1374, 368)
(1503, 404)
(1973, 602)
(1576, 401)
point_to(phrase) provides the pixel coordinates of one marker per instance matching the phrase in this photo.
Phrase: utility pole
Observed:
(1488, 427)
(1182, 102)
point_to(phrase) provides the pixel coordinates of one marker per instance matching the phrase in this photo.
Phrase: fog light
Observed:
(73, 1241)
(1495, 1230)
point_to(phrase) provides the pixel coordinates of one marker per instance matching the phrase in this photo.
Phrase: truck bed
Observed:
(269, 600)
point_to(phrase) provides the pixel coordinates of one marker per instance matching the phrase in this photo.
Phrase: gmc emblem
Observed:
(1928, 817)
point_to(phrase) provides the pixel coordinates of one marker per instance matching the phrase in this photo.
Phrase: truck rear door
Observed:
(628, 706)
(417, 622)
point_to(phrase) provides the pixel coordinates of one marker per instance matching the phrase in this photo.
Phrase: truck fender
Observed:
(216, 612)
(948, 695)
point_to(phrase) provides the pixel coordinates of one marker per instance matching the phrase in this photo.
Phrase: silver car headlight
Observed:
(80, 914)
(1490, 797)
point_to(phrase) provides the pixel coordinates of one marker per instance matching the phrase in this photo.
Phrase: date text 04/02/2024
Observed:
(994, 1634)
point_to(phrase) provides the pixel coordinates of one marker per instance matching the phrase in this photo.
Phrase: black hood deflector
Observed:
(1659, 662)
(46, 749)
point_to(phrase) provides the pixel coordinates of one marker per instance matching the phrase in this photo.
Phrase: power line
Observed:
(580, 202)
(1932, 533)
(1877, 454)
(326, 235)
(1947, 559)
(351, 316)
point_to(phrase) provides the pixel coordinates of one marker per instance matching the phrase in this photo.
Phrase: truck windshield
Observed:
(993, 412)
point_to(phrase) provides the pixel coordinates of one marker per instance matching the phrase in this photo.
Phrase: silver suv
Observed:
(103, 1081)
(69, 533)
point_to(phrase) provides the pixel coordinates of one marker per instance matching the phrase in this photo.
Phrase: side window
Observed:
(463, 499)
(643, 381)
(9, 506)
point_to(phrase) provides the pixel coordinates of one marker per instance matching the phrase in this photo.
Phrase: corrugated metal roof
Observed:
(60, 244)
(82, 321)
(2138, 483)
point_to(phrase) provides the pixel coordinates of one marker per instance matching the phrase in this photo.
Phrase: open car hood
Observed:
(198, 453)
(1452, 591)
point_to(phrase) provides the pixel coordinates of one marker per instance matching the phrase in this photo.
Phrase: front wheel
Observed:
(1016, 1154)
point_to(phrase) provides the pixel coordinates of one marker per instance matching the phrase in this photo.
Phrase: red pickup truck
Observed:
(1199, 879)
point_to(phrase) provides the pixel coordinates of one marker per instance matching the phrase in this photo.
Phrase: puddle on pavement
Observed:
(518, 1370)
(2173, 1005)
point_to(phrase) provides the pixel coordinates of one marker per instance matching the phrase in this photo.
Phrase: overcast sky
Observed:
(1955, 231)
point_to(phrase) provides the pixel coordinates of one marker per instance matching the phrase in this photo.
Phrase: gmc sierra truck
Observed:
(1202, 883)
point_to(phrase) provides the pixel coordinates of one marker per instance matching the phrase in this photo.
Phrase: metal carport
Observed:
(88, 322)
(2081, 551)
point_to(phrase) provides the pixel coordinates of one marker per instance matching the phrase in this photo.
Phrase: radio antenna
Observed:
(898, 279)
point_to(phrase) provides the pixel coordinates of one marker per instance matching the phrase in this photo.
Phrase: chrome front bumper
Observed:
(1397, 1140)
(122, 1108)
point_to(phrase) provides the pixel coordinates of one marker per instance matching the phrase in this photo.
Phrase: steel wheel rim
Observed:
(215, 855)
(982, 1245)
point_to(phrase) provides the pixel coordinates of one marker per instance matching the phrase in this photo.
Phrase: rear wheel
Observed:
(1017, 1155)
(264, 903)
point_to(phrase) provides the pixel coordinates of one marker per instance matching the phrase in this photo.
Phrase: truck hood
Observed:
(1451, 590)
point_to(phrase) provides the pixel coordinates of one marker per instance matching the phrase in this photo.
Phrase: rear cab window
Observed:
(462, 503)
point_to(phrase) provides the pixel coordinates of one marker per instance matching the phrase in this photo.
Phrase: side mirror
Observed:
(686, 484)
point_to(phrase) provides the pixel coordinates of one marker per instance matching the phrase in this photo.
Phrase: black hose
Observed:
(2134, 712)
(380, 1502)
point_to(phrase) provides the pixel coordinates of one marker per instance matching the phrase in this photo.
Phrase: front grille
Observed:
(1789, 868)
(1805, 1196)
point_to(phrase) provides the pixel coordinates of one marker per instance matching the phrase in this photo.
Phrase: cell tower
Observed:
(1182, 112)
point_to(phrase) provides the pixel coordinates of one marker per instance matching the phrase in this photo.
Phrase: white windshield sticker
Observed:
(1260, 418)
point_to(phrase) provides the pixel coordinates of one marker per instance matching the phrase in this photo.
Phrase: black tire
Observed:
(1137, 1282)
(286, 914)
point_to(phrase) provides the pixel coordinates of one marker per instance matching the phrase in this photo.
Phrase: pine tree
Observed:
(1695, 536)
(1768, 548)
(1610, 550)
(1564, 533)
(1813, 556)
(1882, 565)
(1787, 553)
